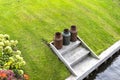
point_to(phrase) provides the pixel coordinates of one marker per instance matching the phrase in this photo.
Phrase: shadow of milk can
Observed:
(58, 40)
(66, 37)
(73, 32)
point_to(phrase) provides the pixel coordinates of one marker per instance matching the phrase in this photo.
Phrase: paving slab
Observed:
(75, 55)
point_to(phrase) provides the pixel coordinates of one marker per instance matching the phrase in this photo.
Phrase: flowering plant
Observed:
(11, 60)
(6, 75)
(10, 75)
(10, 56)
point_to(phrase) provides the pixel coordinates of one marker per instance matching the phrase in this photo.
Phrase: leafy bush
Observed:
(10, 56)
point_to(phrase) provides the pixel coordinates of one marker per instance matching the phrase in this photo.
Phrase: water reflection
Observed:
(112, 72)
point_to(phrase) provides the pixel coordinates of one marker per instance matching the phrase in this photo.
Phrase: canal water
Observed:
(110, 70)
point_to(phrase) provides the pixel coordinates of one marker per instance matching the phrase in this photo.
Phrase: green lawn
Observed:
(34, 22)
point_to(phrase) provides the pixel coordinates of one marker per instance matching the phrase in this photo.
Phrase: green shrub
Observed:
(10, 56)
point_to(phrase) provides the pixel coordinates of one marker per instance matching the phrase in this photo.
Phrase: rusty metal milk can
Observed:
(58, 40)
(73, 32)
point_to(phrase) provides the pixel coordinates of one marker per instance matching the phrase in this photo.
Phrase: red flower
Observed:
(3, 75)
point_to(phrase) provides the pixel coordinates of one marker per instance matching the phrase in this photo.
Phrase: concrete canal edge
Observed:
(93, 64)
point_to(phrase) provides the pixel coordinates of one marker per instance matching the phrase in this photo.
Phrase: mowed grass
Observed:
(34, 22)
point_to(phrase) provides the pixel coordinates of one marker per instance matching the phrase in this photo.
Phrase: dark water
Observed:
(110, 70)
